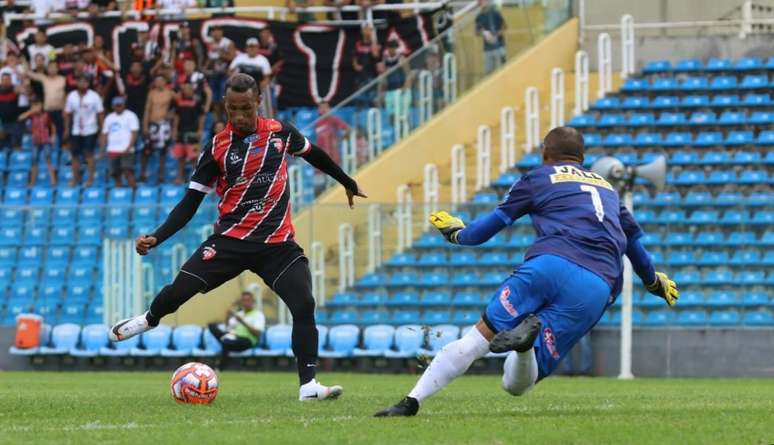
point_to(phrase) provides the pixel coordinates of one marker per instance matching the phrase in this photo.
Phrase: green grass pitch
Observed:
(261, 408)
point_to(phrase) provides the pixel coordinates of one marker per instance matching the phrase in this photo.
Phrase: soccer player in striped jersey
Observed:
(246, 165)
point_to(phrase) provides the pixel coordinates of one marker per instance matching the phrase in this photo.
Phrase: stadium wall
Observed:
(668, 352)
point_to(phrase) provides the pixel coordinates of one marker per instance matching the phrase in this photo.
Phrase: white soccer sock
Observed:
(520, 372)
(451, 362)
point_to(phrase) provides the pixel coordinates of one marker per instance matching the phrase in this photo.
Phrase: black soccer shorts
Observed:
(221, 258)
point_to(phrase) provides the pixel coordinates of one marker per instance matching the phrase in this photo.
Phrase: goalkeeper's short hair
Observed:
(564, 144)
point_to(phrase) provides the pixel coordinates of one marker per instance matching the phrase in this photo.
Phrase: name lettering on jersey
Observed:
(570, 173)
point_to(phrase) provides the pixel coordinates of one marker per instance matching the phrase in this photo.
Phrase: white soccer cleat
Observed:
(129, 328)
(314, 390)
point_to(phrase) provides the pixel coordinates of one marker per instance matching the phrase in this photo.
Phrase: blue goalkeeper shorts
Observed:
(567, 298)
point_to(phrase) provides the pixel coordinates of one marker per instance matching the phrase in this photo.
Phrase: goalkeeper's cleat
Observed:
(314, 390)
(129, 328)
(519, 339)
(405, 408)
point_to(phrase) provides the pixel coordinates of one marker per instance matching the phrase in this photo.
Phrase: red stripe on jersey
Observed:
(253, 218)
(284, 231)
(251, 165)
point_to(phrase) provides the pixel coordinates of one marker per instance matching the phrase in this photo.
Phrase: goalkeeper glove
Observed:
(448, 225)
(665, 288)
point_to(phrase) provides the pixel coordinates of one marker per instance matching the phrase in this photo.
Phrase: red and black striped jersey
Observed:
(250, 175)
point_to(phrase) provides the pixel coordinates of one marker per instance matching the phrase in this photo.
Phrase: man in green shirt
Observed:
(244, 325)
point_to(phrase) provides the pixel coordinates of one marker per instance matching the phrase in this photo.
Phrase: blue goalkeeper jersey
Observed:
(577, 215)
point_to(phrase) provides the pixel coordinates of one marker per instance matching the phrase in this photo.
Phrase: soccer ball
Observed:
(194, 383)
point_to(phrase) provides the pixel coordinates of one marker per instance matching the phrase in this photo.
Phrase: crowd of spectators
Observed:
(157, 100)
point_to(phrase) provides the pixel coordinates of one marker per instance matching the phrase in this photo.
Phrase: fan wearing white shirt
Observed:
(252, 63)
(119, 135)
(41, 47)
(83, 116)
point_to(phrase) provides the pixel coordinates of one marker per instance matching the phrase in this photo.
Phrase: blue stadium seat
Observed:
(342, 341)
(766, 137)
(750, 277)
(64, 337)
(724, 100)
(702, 118)
(697, 199)
(754, 177)
(435, 317)
(694, 83)
(462, 258)
(724, 318)
(692, 318)
(402, 259)
(664, 84)
(64, 216)
(689, 65)
(687, 277)
(461, 317)
(376, 341)
(740, 239)
(90, 235)
(94, 337)
(20, 161)
(464, 279)
(755, 299)
(763, 217)
(342, 299)
(120, 349)
(721, 177)
(695, 102)
(611, 120)
(404, 299)
(277, 341)
(746, 157)
(632, 85)
(344, 316)
(677, 139)
(146, 195)
(739, 138)
(691, 298)
(690, 177)
(372, 299)
(41, 196)
(658, 318)
(607, 103)
(429, 241)
(680, 258)
(30, 256)
(434, 259)
(212, 346)
(647, 140)
(436, 298)
(748, 64)
(756, 100)
(718, 64)
(153, 342)
(371, 280)
(759, 318)
(405, 317)
(408, 341)
(751, 82)
(466, 298)
(723, 83)
(15, 197)
(591, 140)
(657, 66)
(440, 336)
(374, 317)
(617, 140)
(506, 179)
(171, 194)
(723, 298)
(732, 118)
(401, 279)
(11, 217)
(67, 196)
(718, 277)
(678, 239)
(185, 339)
(661, 102)
(635, 102)
(716, 158)
(94, 196)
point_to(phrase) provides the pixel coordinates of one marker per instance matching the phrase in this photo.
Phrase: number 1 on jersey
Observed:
(595, 200)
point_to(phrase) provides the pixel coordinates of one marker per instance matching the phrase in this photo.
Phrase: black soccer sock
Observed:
(294, 286)
(173, 296)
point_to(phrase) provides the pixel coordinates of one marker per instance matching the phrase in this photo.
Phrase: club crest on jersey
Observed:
(208, 253)
(278, 144)
(234, 158)
(504, 294)
(550, 340)
(250, 139)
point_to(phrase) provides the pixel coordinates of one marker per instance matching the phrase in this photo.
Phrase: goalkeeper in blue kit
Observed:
(570, 275)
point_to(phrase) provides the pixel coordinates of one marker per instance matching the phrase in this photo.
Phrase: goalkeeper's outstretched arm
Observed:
(478, 232)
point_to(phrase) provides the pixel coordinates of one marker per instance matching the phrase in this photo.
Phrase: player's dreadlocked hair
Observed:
(563, 144)
(241, 82)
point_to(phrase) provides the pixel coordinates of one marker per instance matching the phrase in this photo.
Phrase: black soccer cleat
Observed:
(519, 339)
(405, 408)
